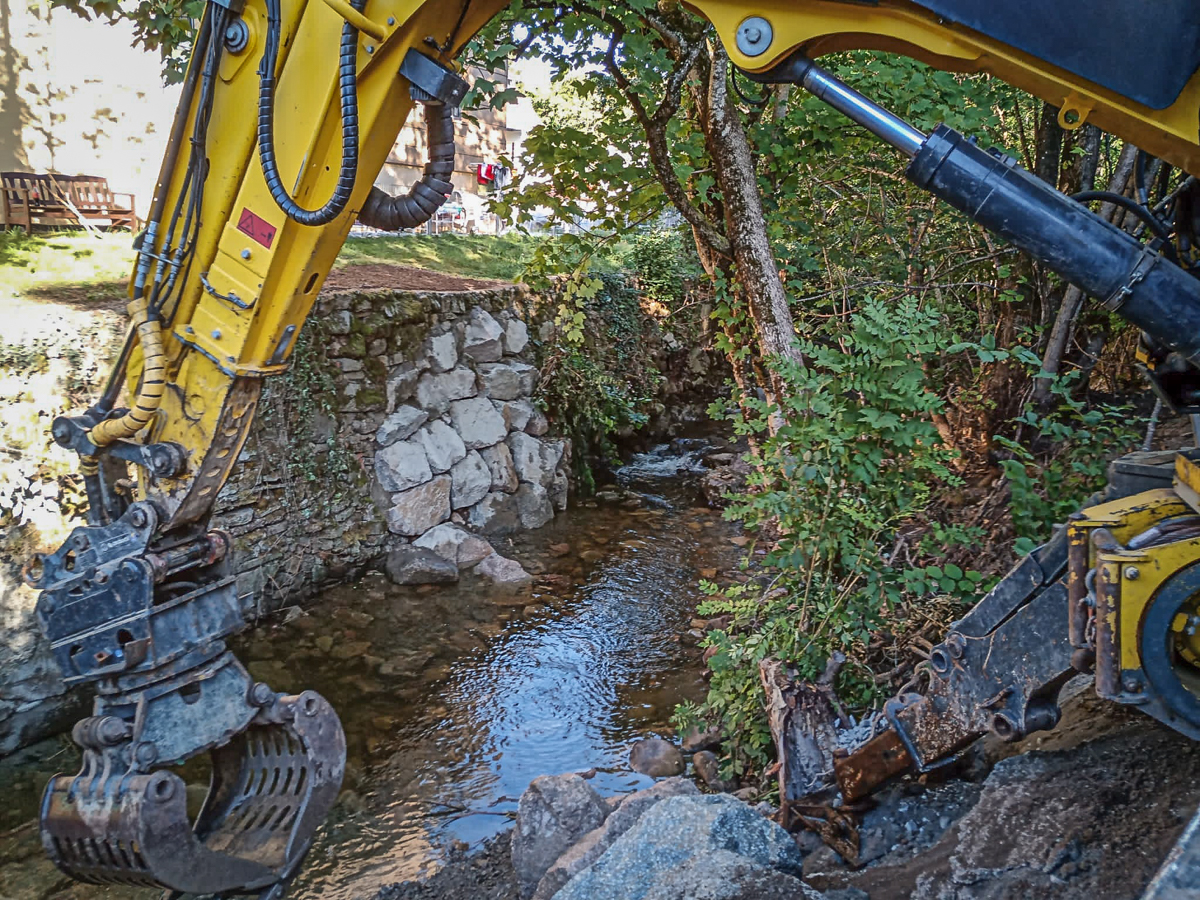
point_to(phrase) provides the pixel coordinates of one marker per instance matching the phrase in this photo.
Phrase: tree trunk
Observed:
(746, 228)
(1073, 299)
(802, 720)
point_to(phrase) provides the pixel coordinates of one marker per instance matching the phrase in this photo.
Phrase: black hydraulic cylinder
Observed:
(1102, 260)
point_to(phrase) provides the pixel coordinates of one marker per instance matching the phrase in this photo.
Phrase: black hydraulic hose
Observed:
(348, 87)
(427, 196)
(1139, 177)
(1102, 260)
(1151, 220)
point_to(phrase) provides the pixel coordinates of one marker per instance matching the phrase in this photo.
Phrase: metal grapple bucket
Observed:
(271, 787)
(145, 624)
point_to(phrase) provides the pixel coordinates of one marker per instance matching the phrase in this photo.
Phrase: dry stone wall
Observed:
(408, 421)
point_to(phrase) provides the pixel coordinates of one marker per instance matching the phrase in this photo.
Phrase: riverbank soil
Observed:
(485, 875)
(1086, 812)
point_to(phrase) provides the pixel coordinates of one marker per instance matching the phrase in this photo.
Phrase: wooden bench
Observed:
(27, 200)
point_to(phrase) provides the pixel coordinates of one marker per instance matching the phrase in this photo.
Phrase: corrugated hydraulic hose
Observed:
(348, 93)
(153, 386)
(427, 196)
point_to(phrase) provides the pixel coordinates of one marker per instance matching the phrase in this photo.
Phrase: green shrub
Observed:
(855, 458)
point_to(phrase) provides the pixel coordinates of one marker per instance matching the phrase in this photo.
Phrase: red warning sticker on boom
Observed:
(256, 228)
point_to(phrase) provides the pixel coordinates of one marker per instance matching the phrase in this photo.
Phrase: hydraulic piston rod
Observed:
(989, 186)
(885, 125)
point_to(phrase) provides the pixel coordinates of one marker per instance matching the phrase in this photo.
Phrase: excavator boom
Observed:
(288, 111)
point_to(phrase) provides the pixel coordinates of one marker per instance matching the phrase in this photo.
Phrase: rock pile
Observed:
(669, 842)
(464, 447)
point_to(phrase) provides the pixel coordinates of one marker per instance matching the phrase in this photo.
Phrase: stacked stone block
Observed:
(463, 441)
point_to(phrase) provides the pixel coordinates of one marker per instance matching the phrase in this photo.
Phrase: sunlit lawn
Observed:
(95, 267)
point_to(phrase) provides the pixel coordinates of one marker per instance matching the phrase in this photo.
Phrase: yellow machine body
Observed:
(251, 281)
(219, 350)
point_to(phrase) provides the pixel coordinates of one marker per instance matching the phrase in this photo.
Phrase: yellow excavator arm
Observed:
(289, 109)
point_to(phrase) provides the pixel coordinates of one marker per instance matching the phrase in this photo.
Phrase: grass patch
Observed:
(77, 267)
(502, 257)
(95, 266)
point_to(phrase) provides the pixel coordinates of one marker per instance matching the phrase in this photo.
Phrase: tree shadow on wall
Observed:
(14, 112)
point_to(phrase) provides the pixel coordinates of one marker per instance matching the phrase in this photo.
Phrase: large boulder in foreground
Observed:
(722, 875)
(596, 842)
(554, 813)
(681, 833)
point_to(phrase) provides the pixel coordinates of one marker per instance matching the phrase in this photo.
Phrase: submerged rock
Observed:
(554, 812)
(419, 565)
(503, 571)
(656, 758)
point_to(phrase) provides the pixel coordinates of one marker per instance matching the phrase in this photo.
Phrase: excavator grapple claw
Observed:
(271, 786)
(120, 614)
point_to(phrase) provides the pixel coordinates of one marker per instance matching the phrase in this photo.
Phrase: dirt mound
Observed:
(382, 277)
(1088, 819)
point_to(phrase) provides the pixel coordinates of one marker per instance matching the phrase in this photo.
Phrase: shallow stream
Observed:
(454, 698)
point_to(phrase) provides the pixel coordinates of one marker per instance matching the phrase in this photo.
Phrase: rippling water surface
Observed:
(453, 699)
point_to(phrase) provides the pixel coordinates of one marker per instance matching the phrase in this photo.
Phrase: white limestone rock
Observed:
(481, 340)
(441, 351)
(436, 392)
(401, 384)
(400, 425)
(533, 506)
(504, 474)
(401, 466)
(538, 424)
(496, 514)
(414, 512)
(455, 545)
(560, 490)
(477, 422)
(535, 463)
(499, 381)
(443, 446)
(516, 413)
(528, 376)
(472, 480)
(516, 336)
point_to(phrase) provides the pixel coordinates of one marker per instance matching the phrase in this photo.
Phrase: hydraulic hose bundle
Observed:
(348, 89)
(427, 196)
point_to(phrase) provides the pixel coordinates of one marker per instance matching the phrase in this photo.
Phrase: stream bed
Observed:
(454, 698)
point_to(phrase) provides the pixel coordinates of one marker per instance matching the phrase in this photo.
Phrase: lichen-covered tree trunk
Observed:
(746, 227)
